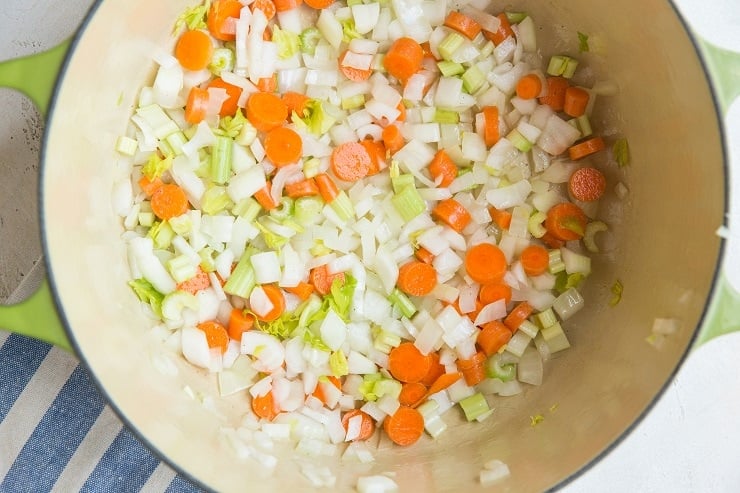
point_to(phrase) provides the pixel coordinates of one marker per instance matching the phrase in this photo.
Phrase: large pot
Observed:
(668, 257)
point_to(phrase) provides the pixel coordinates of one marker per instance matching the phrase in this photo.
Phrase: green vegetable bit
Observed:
(617, 290)
(146, 293)
(621, 151)
(582, 42)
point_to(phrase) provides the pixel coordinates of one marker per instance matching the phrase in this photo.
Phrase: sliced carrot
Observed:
(303, 290)
(266, 6)
(403, 59)
(264, 197)
(266, 111)
(566, 221)
(535, 260)
(462, 24)
(267, 35)
(296, 102)
(283, 146)
(278, 303)
(149, 186)
(502, 33)
(303, 188)
(586, 148)
(485, 263)
(327, 188)
(587, 184)
(575, 102)
(376, 151)
(473, 369)
(392, 138)
(319, 390)
(412, 393)
(501, 217)
(319, 4)
(493, 336)
(407, 364)
(350, 161)
(196, 105)
(231, 105)
(443, 169)
(402, 111)
(529, 86)
(352, 73)
(367, 425)
(518, 315)
(194, 50)
(196, 283)
(491, 129)
(442, 382)
(216, 335)
(424, 255)
(218, 16)
(267, 84)
(551, 241)
(284, 5)
(417, 278)
(555, 88)
(239, 323)
(264, 406)
(169, 201)
(494, 291)
(436, 370)
(322, 279)
(452, 213)
(405, 426)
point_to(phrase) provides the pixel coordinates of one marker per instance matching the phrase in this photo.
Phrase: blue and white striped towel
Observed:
(58, 434)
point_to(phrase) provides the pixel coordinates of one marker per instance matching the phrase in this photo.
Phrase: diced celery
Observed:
(556, 264)
(126, 145)
(242, 279)
(147, 294)
(354, 102)
(557, 65)
(308, 39)
(221, 159)
(473, 79)
(207, 262)
(342, 206)
(449, 68)
(215, 200)
(248, 209)
(284, 211)
(155, 166)
(555, 338)
(446, 116)
(409, 203)
(401, 181)
(570, 68)
(158, 120)
(535, 226)
(307, 210)
(181, 268)
(338, 364)
(519, 141)
(384, 341)
(162, 235)
(546, 318)
(495, 369)
(386, 386)
(221, 60)
(146, 219)
(402, 303)
(246, 135)
(515, 17)
(318, 249)
(181, 224)
(529, 328)
(584, 125)
(311, 167)
(474, 406)
(450, 44)
(176, 140)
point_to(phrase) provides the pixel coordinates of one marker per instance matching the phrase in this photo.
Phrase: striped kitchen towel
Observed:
(58, 434)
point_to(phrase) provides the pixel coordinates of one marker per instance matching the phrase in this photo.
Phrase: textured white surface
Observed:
(690, 441)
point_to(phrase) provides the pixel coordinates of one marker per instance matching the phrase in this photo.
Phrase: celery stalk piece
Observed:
(220, 170)
(242, 280)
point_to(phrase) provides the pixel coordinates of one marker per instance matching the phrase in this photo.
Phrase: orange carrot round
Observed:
(493, 336)
(407, 364)
(519, 314)
(149, 186)
(443, 168)
(555, 92)
(412, 393)
(501, 217)
(491, 130)
(278, 303)
(194, 50)
(350, 161)
(196, 283)
(535, 260)
(529, 86)
(303, 188)
(264, 406)
(267, 84)
(566, 221)
(169, 201)
(575, 102)
(376, 151)
(296, 101)
(239, 323)
(417, 278)
(392, 138)
(436, 369)
(283, 146)
(216, 334)
(266, 111)
(485, 263)
(452, 213)
(266, 6)
(403, 59)
(327, 188)
(587, 184)
(230, 106)
(494, 291)
(196, 105)
(218, 15)
(405, 426)
(284, 5)
(322, 280)
(462, 24)
(367, 425)
(319, 4)
(586, 148)
(473, 369)
(352, 73)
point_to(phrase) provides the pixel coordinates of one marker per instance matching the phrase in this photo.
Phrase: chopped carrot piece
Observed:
(231, 105)
(586, 148)
(491, 129)
(462, 24)
(442, 382)
(443, 169)
(452, 213)
(350, 161)
(502, 33)
(196, 283)
(518, 315)
(485, 263)
(267, 84)
(367, 425)
(283, 146)
(412, 393)
(303, 290)
(284, 5)
(405, 426)
(322, 279)
(149, 186)
(266, 111)
(555, 88)
(407, 364)
(303, 188)
(575, 102)
(266, 6)
(169, 201)
(278, 303)
(494, 291)
(403, 59)
(216, 335)
(417, 278)
(473, 369)
(327, 188)
(566, 221)
(196, 105)
(501, 217)
(392, 138)
(319, 392)
(529, 86)
(587, 184)
(424, 255)
(218, 16)
(535, 260)
(436, 370)
(264, 197)
(239, 323)
(352, 73)
(264, 406)
(376, 151)
(296, 102)
(493, 336)
(194, 50)
(319, 4)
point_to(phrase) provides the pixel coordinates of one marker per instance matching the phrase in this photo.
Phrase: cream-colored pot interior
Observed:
(665, 256)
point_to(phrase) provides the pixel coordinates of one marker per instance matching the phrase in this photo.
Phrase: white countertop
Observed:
(690, 441)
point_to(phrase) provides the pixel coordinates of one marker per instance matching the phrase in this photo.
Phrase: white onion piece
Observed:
(271, 352)
(490, 312)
